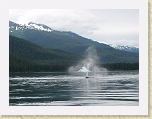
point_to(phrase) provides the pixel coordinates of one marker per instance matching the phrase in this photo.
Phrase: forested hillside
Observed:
(27, 56)
(41, 48)
(31, 51)
(70, 42)
(17, 64)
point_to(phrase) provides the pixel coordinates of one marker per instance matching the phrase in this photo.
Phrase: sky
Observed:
(109, 26)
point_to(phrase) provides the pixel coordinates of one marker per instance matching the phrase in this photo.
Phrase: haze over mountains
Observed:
(69, 42)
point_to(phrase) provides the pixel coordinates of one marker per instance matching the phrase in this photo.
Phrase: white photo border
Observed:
(142, 109)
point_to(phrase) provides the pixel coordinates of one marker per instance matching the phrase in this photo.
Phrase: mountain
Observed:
(30, 25)
(126, 48)
(25, 52)
(69, 42)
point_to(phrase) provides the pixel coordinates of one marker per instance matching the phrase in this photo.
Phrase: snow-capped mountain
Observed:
(18, 29)
(68, 41)
(30, 25)
(24, 31)
(126, 48)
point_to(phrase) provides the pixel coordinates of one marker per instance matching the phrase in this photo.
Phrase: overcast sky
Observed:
(117, 27)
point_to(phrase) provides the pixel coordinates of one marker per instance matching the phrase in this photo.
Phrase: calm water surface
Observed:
(64, 89)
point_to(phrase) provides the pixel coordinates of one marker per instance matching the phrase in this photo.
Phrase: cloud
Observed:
(79, 21)
(95, 24)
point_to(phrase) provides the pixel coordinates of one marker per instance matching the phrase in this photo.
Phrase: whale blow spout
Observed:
(84, 69)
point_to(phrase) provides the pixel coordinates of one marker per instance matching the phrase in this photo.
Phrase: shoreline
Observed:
(71, 72)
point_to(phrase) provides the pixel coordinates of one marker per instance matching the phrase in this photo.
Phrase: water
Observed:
(64, 89)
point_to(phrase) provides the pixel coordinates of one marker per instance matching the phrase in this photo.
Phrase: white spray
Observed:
(89, 63)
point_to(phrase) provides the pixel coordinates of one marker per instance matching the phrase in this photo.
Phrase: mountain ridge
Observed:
(72, 43)
(33, 52)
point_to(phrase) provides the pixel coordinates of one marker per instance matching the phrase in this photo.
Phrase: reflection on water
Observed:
(56, 89)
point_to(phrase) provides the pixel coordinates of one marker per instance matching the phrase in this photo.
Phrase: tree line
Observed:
(17, 64)
(121, 66)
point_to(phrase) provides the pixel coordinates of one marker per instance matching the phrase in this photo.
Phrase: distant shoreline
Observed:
(69, 72)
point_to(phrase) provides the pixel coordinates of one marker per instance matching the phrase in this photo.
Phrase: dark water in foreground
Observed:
(63, 89)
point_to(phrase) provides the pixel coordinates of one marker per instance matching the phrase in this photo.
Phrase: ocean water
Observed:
(113, 88)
